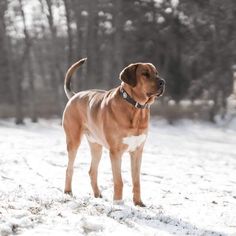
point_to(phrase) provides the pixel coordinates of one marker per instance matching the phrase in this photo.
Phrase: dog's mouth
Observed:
(158, 94)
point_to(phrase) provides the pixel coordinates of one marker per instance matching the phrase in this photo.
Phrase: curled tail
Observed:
(69, 73)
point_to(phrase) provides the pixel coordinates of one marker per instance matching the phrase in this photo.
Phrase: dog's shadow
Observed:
(149, 217)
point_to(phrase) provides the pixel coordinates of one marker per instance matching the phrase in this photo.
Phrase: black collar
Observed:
(130, 100)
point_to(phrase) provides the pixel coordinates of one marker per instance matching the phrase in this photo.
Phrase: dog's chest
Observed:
(133, 142)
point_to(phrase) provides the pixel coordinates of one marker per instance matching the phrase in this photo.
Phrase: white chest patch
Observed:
(93, 139)
(134, 142)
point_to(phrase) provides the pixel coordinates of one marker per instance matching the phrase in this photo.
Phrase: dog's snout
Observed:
(161, 82)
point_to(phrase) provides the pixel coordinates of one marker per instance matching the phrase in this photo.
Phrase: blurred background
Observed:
(191, 42)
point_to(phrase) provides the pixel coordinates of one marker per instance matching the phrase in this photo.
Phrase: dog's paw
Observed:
(118, 202)
(140, 204)
(68, 193)
(98, 195)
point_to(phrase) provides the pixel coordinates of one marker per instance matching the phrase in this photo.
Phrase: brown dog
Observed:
(116, 119)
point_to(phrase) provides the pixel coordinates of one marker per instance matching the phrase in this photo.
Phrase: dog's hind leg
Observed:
(74, 134)
(96, 153)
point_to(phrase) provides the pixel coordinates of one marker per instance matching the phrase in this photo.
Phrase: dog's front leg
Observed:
(115, 157)
(136, 159)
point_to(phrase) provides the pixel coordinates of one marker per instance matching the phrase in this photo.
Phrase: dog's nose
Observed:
(161, 82)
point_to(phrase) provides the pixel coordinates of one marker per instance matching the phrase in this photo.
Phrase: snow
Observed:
(188, 183)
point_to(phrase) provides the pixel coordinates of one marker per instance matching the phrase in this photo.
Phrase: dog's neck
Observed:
(124, 94)
(138, 101)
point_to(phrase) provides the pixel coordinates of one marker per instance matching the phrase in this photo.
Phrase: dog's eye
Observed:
(146, 74)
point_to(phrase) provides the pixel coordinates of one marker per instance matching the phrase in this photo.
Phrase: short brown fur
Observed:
(105, 118)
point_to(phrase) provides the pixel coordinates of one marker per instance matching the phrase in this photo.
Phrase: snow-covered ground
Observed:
(188, 183)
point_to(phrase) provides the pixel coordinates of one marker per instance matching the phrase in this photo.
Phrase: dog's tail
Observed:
(69, 73)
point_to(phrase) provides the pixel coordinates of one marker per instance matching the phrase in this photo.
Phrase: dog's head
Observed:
(143, 81)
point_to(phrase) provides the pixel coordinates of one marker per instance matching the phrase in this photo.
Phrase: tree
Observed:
(92, 43)
(80, 14)
(29, 66)
(118, 36)
(5, 85)
(213, 36)
(54, 66)
(191, 43)
(68, 8)
(17, 57)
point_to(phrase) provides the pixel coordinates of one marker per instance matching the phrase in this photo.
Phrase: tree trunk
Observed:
(18, 76)
(5, 88)
(32, 95)
(92, 47)
(67, 4)
(214, 109)
(54, 66)
(29, 66)
(81, 20)
(118, 42)
(216, 60)
(79, 24)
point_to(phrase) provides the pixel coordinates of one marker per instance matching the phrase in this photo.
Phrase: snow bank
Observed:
(188, 183)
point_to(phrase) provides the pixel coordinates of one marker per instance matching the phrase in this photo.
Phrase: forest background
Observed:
(192, 43)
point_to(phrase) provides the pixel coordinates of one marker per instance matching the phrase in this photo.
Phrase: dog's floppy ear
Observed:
(128, 75)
